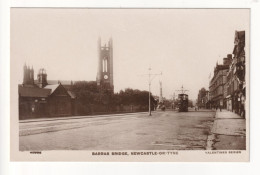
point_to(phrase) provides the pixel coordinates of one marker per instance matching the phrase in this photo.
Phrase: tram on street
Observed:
(183, 102)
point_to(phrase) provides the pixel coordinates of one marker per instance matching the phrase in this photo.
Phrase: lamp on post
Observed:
(150, 79)
(150, 112)
(150, 82)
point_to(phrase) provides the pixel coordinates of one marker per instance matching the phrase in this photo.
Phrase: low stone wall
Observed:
(109, 109)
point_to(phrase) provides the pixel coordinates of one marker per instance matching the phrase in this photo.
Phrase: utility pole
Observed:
(150, 112)
(161, 96)
(173, 101)
(173, 98)
(151, 77)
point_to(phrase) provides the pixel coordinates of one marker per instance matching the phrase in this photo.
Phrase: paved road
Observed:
(167, 130)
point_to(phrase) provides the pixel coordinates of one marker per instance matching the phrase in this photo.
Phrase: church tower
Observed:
(105, 66)
(28, 76)
(42, 78)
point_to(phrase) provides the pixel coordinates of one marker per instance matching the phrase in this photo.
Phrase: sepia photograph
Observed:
(129, 84)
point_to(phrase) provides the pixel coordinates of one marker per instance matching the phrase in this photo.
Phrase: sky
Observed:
(183, 44)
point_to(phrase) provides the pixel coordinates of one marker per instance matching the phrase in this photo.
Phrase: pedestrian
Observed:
(220, 107)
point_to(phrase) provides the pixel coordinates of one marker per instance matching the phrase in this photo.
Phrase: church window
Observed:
(105, 65)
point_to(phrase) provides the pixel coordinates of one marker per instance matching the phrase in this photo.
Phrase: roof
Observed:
(63, 82)
(33, 92)
(72, 95)
(25, 91)
(52, 87)
(67, 87)
(182, 94)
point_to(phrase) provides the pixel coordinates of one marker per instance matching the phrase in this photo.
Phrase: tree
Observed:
(88, 94)
(202, 94)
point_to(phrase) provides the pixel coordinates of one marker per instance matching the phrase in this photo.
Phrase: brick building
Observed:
(236, 85)
(38, 98)
(217, 83)
(202, 99)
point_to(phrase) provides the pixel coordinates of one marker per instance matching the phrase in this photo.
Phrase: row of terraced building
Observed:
(227, 88)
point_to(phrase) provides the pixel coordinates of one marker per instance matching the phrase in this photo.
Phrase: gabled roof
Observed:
(25, 91)
(72, 95)
(33, 92)
(52, 87)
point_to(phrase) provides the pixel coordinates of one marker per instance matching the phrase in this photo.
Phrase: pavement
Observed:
(228, 131)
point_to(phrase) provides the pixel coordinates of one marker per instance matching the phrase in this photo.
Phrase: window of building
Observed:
(105, 64)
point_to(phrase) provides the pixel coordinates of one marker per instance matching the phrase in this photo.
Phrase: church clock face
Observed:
(105, 77)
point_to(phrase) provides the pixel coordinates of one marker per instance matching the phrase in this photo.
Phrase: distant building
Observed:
(201, 95)
(217, 83)
(42, 99)
(207, 100)
(203, 98)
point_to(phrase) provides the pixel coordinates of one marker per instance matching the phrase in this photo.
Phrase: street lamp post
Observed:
(150, 81)
(150, 112)
(151, 77)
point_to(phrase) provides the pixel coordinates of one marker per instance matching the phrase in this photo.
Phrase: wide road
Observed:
(167, 130)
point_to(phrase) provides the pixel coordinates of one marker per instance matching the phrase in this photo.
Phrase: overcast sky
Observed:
(184, 44)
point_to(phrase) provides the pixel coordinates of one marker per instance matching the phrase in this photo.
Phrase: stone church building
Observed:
(105, 67)
(49, 98)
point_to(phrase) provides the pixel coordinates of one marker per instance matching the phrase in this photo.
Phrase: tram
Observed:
(183, 102)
